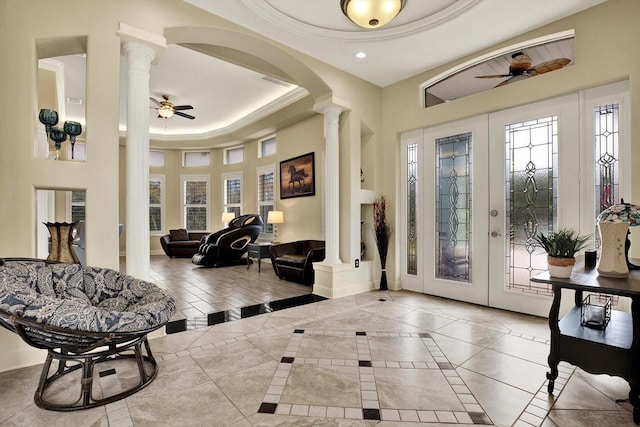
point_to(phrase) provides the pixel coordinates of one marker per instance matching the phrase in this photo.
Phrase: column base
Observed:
(341, 280)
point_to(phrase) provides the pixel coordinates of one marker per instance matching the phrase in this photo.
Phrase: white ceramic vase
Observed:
(612, 259)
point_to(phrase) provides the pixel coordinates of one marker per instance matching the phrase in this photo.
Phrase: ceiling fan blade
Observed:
(552, 65)
(178, 113)
(182, 107)
(159, 117)
(155, 101)
(493, 76)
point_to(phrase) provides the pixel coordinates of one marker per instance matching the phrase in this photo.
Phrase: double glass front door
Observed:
(477, 191)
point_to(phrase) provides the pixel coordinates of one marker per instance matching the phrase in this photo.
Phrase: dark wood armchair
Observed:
(293, 261)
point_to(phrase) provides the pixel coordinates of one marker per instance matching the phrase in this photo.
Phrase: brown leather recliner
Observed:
(293, 261)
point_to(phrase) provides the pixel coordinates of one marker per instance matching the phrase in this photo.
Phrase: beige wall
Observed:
(303, 215)
(27, 24)
(604, 37)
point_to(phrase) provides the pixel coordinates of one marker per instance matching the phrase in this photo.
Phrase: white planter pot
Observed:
(560, 267)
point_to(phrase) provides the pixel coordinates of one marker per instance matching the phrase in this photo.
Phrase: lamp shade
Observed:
(228, 216)
(622, 212)
(371, 13)
(275, 217)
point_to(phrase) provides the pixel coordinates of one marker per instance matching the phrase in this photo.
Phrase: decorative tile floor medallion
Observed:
(360, 376)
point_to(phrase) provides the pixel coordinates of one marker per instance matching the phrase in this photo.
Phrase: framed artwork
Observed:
(298, 176)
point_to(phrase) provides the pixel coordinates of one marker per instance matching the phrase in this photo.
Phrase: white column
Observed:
(331, 134)
(139, 59)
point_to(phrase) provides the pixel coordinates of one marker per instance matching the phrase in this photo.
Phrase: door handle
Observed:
(493, 213)
(495, 234)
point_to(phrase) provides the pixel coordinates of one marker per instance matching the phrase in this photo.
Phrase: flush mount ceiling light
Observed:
(371, 13)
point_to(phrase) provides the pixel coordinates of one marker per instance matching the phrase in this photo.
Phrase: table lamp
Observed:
(275, 218)
(614, 223)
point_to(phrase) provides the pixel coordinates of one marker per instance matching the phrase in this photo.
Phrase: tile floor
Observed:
(200, 291)
(379, 358)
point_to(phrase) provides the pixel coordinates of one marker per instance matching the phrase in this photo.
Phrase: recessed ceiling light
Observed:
(361, 55)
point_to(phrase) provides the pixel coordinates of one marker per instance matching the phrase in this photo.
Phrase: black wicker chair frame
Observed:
(81, 350)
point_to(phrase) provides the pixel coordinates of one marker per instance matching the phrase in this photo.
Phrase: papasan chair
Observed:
(82, 316)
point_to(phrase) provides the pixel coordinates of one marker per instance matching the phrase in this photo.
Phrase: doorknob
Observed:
(493, 212)
(495, 234)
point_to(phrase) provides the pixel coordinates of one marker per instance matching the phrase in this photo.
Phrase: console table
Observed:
(257, 251)
(614, 350)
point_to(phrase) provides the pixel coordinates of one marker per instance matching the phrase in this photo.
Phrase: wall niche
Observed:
(61, 84)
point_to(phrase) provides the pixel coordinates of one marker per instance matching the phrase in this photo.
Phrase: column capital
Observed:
(136, 38)
(329, 100)
(138, 55)
(332, 111)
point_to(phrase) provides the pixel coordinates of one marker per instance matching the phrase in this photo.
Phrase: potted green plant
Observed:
(561, 248)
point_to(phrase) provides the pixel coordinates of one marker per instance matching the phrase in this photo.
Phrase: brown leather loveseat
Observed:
(293, 261)
(181, 243)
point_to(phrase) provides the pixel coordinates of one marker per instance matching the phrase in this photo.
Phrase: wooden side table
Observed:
(257, 251)
(614, 350)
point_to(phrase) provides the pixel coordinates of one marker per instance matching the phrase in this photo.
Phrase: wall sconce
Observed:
(227, 217)
(614, 223)
(49, 118)
(275, 218)
(371, 13)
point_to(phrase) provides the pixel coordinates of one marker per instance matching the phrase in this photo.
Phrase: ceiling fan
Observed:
(166, 109)
(521, 68)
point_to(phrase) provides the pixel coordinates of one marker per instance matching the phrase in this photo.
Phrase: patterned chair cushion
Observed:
(88, 299)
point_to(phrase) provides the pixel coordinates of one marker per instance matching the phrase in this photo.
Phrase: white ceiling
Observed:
(426, 33)
(225, 97)
(222, 95)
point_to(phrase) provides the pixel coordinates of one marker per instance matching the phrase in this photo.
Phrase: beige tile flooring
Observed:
(200, 291)
(411, 359)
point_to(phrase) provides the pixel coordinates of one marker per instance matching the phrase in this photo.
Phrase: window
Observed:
(195, 202)
(607, 186)
(232, 192)
(412, 199)
(194, 159)
(233, 155)
(156, 205)
(453, 207)
(77, 208)
(156, 159)
(266, 194)
(267, 147)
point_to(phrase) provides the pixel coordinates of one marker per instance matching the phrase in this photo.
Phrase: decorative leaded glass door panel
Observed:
(443, 206)
(535, 189)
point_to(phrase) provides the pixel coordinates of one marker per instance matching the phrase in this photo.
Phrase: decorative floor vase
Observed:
(61, 239)
(383, 280)
(613, 262)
